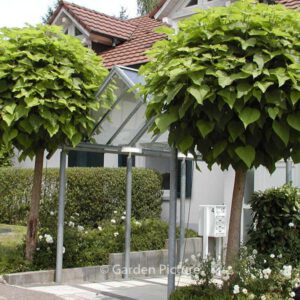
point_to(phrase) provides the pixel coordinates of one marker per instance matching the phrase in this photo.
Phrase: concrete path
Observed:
(137, 289)
(8, 292)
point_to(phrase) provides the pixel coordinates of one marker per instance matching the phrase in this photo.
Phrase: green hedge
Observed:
(276, 223)
(94, 193)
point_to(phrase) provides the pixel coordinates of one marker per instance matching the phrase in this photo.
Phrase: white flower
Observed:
(37, 249)
(116, 234)
(40, 237)
(186, 260)
(71, 224)
(64, 250)
(80, 228)
(236, 289)
(266, 273)
(49, 239)
(202, 274)
(137, 223)
(115, 212)
(51, 213)
(254, 252)
(113, 221)
(272, 255)
(193, 257)
(76, 214)
(244, 291)
(124, 212)
(279, 255)
(100, 228)
(292, 294)
(123, 217)
(287, 271)
(291, 225)
(263, 297)
(198, 255)
(251, 296)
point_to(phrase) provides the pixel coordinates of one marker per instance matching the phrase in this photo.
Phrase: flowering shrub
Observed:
(85, 246)
(276, 223)
(255, 276)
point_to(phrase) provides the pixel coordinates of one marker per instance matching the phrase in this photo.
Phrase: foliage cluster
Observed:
(6, 155)
(93, 192)
(228, 85)
(48, 82)
(86, 246)
(276, 222)
(254, 276)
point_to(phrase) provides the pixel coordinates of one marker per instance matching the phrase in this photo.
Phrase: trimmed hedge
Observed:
(95, 193)
(276, 223)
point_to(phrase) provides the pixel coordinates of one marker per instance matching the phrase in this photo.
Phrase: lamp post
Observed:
(129, 151)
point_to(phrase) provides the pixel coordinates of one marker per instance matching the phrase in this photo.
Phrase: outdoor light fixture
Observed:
(131, 150)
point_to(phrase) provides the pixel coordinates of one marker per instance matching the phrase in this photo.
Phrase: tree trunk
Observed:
(32, 223)
(233, 245)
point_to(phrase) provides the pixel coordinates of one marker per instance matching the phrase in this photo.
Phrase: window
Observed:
(85, 159)
(122, 160)
(77, 32)
(192, 3)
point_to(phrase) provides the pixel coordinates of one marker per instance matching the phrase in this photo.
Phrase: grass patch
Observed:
(11, 253)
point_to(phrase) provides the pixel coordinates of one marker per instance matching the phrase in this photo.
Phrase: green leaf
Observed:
(263, 85)
(243, 89)
(273, 112)
(246, 154)
(174, 91)
(223, 79)
(249, 116)
(294, 121)
(248, 43)
(8, 119)
(258, 58)
(164, 121)
(219, 148)
(235, 129)
(197, 77)
(228, 96)
(295, 96)
(282, 131)
(205, 127)
(185, 143)
(76, 139)
(10, 108)
(199, 93)
(9, 135)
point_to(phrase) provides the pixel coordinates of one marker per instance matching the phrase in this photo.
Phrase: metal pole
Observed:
(182, 208)
(288, 175)
(61, 215)
(172, 223)
(128, 215)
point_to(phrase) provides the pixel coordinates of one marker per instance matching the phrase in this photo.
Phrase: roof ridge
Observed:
(92, 10)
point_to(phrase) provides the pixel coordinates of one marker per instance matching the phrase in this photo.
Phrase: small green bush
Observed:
(276, 223)
(94, 192)
(6, 155)
(87, 247)
(198, 292)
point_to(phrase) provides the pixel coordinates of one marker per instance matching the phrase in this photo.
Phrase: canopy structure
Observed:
(124, 122)
(123, 128)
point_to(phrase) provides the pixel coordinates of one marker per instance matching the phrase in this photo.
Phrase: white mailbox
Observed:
(212, 220)
(212, 223)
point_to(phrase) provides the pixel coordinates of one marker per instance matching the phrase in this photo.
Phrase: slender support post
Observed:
(206, 221)
(288, 174)
(172, 223)
(61, 215)
(182, 208)
(128, 215)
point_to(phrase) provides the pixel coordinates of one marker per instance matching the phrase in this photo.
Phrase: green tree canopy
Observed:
(48, 82)
(228, 85)
(47, 89)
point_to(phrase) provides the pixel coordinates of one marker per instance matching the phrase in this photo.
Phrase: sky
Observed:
(16, 13)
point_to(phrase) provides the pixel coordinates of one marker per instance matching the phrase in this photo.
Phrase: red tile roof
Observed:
(132, 52)
(289, 3)
(96, 22)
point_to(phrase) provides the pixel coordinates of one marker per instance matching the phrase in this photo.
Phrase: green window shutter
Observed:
(189, 179)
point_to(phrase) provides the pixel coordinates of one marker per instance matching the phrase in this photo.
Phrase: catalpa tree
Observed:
(48, 82)
(228, 85)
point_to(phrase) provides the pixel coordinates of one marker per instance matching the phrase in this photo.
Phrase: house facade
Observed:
(123, 43)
